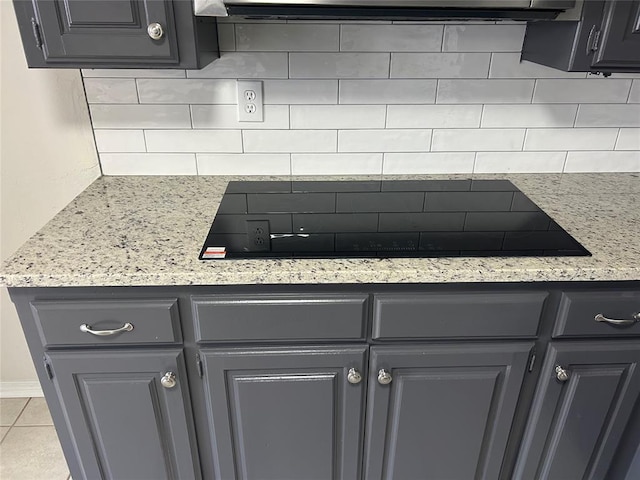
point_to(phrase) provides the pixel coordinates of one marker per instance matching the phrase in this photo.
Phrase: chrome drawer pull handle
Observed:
(601, 318)
(127, 327)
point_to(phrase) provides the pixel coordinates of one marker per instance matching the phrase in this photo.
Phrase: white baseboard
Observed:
(20, 389)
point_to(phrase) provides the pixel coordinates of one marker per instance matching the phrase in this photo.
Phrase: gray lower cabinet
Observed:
(585, 396)
(124, 423)
(285, 413)
(439, 412)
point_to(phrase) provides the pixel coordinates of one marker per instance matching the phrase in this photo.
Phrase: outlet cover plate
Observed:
(250, 105)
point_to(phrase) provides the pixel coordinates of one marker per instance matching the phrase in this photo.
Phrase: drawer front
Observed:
(279, 317)
(457, 315)
(615, 311)
(63, 322)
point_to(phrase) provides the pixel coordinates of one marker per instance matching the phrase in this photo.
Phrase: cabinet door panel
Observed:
(285, 414)
(102, 30)
(620, 35)
(447, 412)
(124, 424)
(575, 426)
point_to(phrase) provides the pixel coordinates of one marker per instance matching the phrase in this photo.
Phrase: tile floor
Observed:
(29, 447)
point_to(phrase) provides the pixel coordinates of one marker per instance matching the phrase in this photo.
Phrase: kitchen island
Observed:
(158, 365)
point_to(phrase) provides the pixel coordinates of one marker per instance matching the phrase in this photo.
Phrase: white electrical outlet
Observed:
(250, 107)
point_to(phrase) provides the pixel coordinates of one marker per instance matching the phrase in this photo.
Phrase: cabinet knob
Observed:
(168, 380)
(561, 374)
(155, 31)
(384, 377)
(354, 376)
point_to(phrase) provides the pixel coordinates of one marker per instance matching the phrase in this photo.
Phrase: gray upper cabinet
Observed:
(280, 414)
(439, 412)
(585, 396)
(115, 33)
(606, 38)
(124, 423)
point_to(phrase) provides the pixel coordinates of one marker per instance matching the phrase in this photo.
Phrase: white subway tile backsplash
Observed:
(132, 73)
(120, 141)
(483, 38)
(519, 162)
(292, 92)
(140, 116)
(226, 37)
(262, 37)
(226, 116)
(148, 163)
(290, 141)
(371, 92)
(602, 162)
(178, 141)
(634, 95)
(245, 65)
(339, 65)
(391, 38)
(477, 140)
(541, 139)
(581, 91)
(440, 65)
(111, 90)
(362, 97)
(508, 65)
(608, 116)
(337, 116)
(628, 139)
(384, 140)
(187, 91)
(484, 91)
(426, 163)
(244, 164)
(528, 116)
(336, 164)
(434, 116)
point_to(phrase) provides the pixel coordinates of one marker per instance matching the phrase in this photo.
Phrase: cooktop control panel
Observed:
(394, 218)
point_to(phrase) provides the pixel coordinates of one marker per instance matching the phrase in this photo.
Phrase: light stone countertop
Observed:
(148, 231)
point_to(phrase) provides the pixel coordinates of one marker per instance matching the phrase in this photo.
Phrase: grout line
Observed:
(630, 89)
(564, 165)
(615, 144)
(575, 118)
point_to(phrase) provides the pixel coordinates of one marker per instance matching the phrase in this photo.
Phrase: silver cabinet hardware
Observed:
(354, 376)
(561, 374)
(155, 31)
(127, 327)
(384, 377)
(168, 380)
(601, 318)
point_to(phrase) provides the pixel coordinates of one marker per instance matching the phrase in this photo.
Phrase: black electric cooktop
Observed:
(395, 218)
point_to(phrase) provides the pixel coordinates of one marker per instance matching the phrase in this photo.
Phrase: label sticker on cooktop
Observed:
(215, 252)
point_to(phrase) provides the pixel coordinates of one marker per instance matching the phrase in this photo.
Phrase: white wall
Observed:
(369, 98)
(47, 157)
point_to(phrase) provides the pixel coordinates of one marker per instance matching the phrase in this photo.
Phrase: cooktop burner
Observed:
(395, 218)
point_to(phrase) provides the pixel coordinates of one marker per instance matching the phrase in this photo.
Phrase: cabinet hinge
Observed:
(532, 359)
(593, 42)
(36, 32)
(47, 368)
(199, 365)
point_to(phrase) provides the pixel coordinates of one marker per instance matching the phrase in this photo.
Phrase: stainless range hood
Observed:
(384, 9)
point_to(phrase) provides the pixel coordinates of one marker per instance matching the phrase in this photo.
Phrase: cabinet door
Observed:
(620, 35)
(285, 414)
(447, 412)
(124, 424)
(576, 422)
(96, 31)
